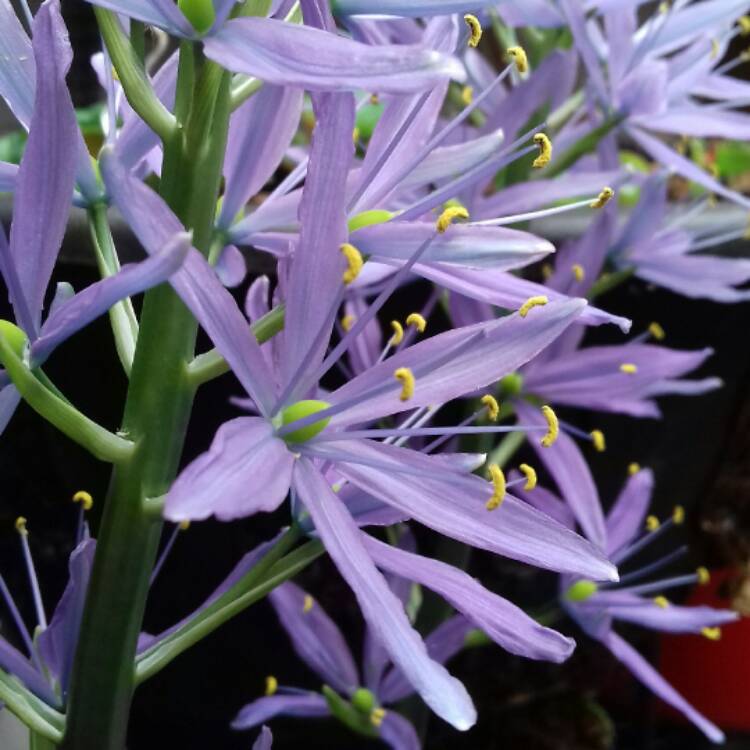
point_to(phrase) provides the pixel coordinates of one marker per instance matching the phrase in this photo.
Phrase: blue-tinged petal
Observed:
(47, 172)
(259, 135)
(454, 505)
(569, 469)
(643, 92)
(545, 501)
(315, 279)
(316, 638)
(17, 69)
(700, 122)
(290, 55)
(154, 12)
(306, 705)
(9, 400)
(467, 245)
(247, 469)
(57, 643)
(155, 225)
(368, 345)
(264, 741)
(95, 300)
(507, 625)
(644, 672)
(231, 268)
(13, 662)
(625, 518)
(414, 9)
(8, 177)
(399, 733)
(384, 613)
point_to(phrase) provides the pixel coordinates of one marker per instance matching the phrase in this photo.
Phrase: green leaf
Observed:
(32, 711)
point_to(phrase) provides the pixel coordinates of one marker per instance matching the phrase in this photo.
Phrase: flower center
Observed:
(581, 590)
(301, 410)
(200, 13)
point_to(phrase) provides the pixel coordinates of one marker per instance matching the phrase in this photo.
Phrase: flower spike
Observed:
(354, 260)
(537, 301)
(603, 198)
(518, 55)
(449, 215)
(493, 408)
(545, 151)
(475, 29)
(553, 426)
(498, 482)
(406, 377)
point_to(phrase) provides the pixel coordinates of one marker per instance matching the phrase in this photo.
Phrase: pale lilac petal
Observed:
(316, 638)
(310, 705)
(626, 517)
(507, 625)
(290, 55)
(545, 501)
(231, 268)
(9, 400)
(700, 122)
(247, 469)
(399, 733)
(264, 741)
(644, 672)
(154, 12)
(8, 177)
(575, 16)
(13, 662)
(643, 92)
(385, 615)
(416, 8)
(367, 347)
(58, 642)
(17, 69)
(256, 300)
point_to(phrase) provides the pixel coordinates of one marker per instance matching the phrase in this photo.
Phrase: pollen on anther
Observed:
(355, 135)
(678, 515)
(530, 473)
(493, 408)
(307, 604)
(475, 29)
(539, 301)
(354, 261)
(84, 498)
(467, 95)
(661, 601)
(553, 426)
(652, 523)
(633, 468)
(578, 272)
(398, 333)
(704, 576)
(449, 215)
(715, 49)
(545, 151)
(744, 23)
(21, 526)
(347, 322)
(629, 368)
(184, 525)
(518, 55)
(713, 634)
(406, 377)
(604, 197)
(272, 685)
(377, 716)
(656, 331)
(498, 483)
(597, 438)
(417, 321)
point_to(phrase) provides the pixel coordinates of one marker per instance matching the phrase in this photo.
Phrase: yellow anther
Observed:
(184, 525)
(553, 426)
(355, 135)
(21, 526)
(745, 56)
(678, 515)
(449, 215)
(307, 604)
(578, 272)
(354, 260)
(744, 23)
(398, 333)
(493, 408)
(597, 438)
(406, 377)
(84, 498)
(656, 331)
(714, 48)
(272, 685)
(652, 523)
(704, 576)
(661, 601)
(603, 198)
(713, 634)
(530, 474)
(538, 301)
(377, 716)
(467, 95)
(417, 321)
(547, 271)
(347, 322)
(475, 29)
(498, 483)
(518, 55)
(374, 99)
(629, 368)
(663, 7)
(545, 151)
(633, 468)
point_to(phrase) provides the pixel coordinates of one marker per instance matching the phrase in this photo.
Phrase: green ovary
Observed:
(200, 13)
(300, 410)
(15, 337)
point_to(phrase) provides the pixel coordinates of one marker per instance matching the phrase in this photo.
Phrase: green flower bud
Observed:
(581, 590)
(511, 385)
(369, 218)
(300, 410)
(363, 700)
(14, 337)
(200, 13)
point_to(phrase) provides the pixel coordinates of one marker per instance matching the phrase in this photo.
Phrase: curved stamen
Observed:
(31, 572)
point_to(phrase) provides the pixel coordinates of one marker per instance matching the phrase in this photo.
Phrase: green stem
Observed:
(608, 281)
(157, 410)
(32, 711)
(506, 449)
(40, 742)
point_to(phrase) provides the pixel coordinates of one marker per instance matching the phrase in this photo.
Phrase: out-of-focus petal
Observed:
(625, 518)
(310, 705)
(398, 732)
(264, 741)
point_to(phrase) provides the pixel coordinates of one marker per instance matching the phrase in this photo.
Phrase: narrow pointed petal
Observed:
(264, 741)
(9, 400)
(415, 9)
(507, 625)
(454, 505)
(58, 642)
(644, 672)
(626, 517)
(17, 69)
(399, 733)
(316, 638)
(289, 55)
(545, 501)
(154, 12)
(385, 615)
(13, 662)
(96, 299)
(246, 470)
(310, 705)
(8, 177)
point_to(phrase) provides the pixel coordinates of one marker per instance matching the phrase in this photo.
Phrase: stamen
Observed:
(553, 426)
(597, 438)
(272, 685)
(518, 55)
(647, 570)
(603, 198)
(355, 135)
(652, 523)
(547, 271)
(493, 408)
(374, 99)
(308, 603)
(354, 260)
(545, 151)
(416, 321)
(182, 526)
(377, 716)
(713, 634)
(398, 333)
(84, 498)
(744, 23)
(530, 474)
(656, 331)
(405, 376)
(633, 468)
(475, 29)
(629, 368)
(448, 216)
(578, 272)
(661, 601)
(86, 503)
(467, 95)
(347, 322)
(538, 301)
(704, 577)
(498, 482)
(16, 615)
(678, 515)
(714, 48)
(31, 572)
